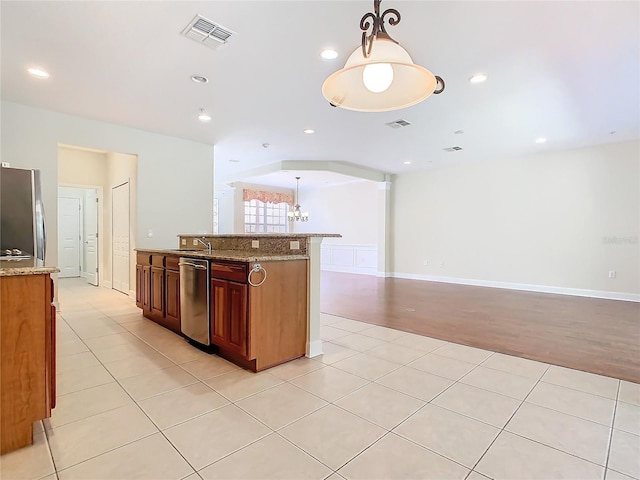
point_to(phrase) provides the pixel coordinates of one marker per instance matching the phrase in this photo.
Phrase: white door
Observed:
(120, 237)
(91, 236)
(69, 237)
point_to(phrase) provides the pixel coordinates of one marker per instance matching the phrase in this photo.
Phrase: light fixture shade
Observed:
(411, 83)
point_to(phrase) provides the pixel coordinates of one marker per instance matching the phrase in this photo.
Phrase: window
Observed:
(262, 217)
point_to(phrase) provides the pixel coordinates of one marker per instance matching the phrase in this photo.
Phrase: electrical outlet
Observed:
(442, 263)
(612, 274)
(195, 242)
(255, 243)
(149, 233)
(184, 242)
(6, 165)
(425, 263)
(294, 245)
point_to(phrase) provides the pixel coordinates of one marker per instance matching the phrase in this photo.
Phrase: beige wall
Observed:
(82, 167)
(349, 209)
(539, 220)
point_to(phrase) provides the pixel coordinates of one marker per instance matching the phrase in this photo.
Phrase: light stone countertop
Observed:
(233, 255)
(259, 235)
(25, 266)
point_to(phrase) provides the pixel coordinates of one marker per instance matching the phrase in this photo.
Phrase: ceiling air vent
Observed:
(206, 32)
(452, 149)
(399, 123)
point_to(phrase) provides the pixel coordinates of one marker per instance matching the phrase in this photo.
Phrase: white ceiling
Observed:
(567, 71)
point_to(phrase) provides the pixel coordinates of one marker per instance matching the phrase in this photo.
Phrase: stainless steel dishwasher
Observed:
(195, 299)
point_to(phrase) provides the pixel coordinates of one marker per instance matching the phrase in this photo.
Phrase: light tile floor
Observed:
(137, 402)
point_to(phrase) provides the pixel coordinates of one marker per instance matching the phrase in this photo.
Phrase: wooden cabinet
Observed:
(255, 327)
(146, 288)
(263, 326)
(277, 314)
(139, 286)
(27, 358)
(143, 281)
(229, 315)
(158, 289)
(172, 293)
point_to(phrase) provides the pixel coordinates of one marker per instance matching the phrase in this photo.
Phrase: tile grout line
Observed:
(134, 401)
(613, 421)
(454, 382)
(507, 422)
(540, 443)
(359, 388)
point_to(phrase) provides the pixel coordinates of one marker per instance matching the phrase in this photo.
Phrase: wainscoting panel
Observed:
(350, 258)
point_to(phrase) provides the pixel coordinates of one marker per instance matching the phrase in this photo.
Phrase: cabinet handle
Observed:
(256, 268)
(199, 267)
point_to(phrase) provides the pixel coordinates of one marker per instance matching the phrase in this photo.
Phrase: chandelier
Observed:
(295, 215)
(380, 75)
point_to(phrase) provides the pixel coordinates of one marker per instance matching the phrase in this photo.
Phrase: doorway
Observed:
(78, 233)
(108, 173)
(120, 237)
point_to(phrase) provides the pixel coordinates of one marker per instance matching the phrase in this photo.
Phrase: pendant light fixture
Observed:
(295, 215)
(380, 75)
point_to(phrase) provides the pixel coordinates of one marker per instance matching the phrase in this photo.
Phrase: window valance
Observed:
(266, 197)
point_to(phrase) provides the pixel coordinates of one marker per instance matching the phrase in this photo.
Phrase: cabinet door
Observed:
(172, 299)
(52, 368)
(52, 353)
(237, 330)
(146, 288)
(139, 286)
(157, 291)
(229, 315)
(219, 312)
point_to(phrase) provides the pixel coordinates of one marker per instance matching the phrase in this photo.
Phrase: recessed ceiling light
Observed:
(459, 132)
(38, 72)
(204, 117)
(329, 54)
(199, 79)
(233, 160)
(266, 145)
(478, 78)
(541, 140)
(408, 162)
(613, 133)
(309, 130)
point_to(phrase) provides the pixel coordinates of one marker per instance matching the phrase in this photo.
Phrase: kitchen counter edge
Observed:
(233, 255)
(260, 235)
(12, 271)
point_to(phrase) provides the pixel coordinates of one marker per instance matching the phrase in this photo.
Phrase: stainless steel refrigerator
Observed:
(21, 213)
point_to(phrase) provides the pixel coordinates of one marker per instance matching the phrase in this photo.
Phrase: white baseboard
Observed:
(579, 292)
(314, 348)
(132, 294)
(107, 284)
(342, 269)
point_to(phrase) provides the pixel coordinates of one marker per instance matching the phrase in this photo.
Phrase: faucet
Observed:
(206, 244)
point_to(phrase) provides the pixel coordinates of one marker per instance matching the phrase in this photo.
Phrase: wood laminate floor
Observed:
(589, 334)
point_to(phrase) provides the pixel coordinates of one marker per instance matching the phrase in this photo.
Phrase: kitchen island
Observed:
(263, 293)
(27, 355)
